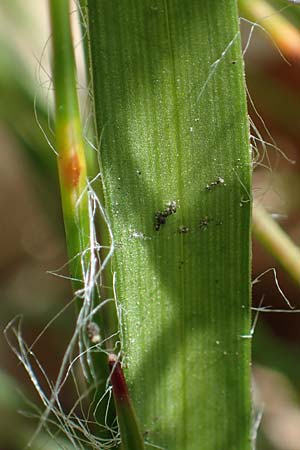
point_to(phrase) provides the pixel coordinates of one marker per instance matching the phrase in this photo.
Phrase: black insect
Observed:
(171, 208)
(204, 222)
(160, 219)
(219, 181)
(183, 229)
(161, 216)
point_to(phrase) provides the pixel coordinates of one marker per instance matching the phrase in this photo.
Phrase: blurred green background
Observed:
(32, 236)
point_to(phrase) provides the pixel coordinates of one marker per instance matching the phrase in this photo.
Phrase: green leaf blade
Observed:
(171, 113)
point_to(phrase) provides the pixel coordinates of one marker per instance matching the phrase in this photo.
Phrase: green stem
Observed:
(73, 183)
(69, 141)
(284, 34)
(276, 242)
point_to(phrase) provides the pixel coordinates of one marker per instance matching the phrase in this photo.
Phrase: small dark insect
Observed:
(204, 222)
(219, 181)
(161, 216)
(183, 229)
(171, 208)
(160, 219)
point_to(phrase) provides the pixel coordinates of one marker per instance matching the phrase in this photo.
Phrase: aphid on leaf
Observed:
(183, 229)
(160, 219)
(161, 216)
(219, 181)
(171, 208)
(204, 222)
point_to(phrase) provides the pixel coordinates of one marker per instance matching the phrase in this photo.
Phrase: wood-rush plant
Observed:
(173, 146)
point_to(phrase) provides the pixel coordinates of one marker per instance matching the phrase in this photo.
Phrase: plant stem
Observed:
(69, 141)
(276, 242)
(74, 193)
(285, 35)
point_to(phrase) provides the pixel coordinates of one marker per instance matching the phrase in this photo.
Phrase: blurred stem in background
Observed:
(276, 242)
(78, 217)
(284, 34)
(69, 143)
(287, 38)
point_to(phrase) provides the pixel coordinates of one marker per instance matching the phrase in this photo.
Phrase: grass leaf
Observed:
(174, 154)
